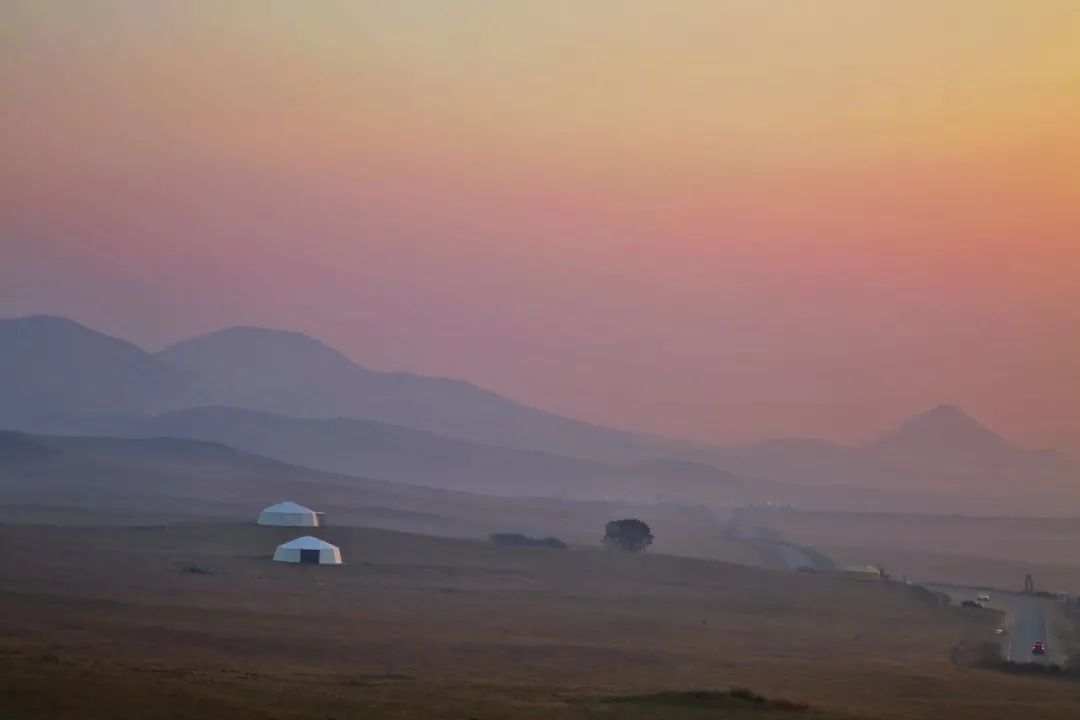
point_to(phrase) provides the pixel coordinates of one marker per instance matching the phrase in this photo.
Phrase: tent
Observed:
(308, 551)
(863, 572)
(289, 513)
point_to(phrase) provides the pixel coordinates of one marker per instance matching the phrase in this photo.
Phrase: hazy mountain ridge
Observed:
(395, 452)
(323, 410)
(51, 367)
(392, 452)
(389, 452)
(941, 450)
(190, 478)
(291, 374)
(948, 440)
(55, 370)
(141, 477)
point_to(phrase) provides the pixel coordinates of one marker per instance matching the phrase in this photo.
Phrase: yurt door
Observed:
(309, 557)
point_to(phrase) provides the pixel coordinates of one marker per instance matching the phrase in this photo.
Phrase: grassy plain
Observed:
(111, 622)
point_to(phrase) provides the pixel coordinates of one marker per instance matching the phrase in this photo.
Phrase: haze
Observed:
(506, 360)
(721, 221)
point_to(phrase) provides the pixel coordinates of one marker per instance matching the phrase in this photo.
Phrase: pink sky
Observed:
(718, 220)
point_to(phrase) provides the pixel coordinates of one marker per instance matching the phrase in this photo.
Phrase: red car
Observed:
(1039, 648)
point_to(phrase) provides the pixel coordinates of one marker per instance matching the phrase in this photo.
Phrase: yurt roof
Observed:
(288, 507)
(308, 543)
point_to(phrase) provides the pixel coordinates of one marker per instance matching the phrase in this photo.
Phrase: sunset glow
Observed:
(720, 220)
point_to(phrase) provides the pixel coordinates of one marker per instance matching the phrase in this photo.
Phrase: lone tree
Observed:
(629, 535)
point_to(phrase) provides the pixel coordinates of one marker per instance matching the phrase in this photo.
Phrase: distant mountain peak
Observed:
(44, 319)
(57, 325)
(947, 419)
(253, 334)
(946, 438)
(947, 412)
(248, 345)
(256, 331)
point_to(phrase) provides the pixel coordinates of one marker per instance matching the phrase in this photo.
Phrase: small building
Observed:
(308, 550)
(290, 514)
(863, 572)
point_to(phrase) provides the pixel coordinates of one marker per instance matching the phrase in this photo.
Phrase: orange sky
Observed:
(722, 220)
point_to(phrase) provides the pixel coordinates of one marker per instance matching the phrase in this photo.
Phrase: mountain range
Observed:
(290, 397)
(940, 450)
(391, 452)
(55, 370)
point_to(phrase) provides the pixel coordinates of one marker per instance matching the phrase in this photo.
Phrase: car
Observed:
(983, 597)
(1039, 648)
(999, 631)
(970, 604)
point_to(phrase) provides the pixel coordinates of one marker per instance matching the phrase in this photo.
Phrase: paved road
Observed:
(1027, 624)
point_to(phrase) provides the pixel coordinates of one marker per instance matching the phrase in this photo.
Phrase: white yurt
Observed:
(290, 514)
(308, 551)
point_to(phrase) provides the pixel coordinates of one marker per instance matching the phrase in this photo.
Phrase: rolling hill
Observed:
(948, 441)
(291, 374)
(943, 451)
(180, 478)
(52, 368)
(290, 397)
(56, 374)
(93, 480)
(389, 452)
(188, 479)
(369, 448)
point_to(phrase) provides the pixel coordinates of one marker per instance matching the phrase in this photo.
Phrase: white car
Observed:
(999, 631)
(983, 597)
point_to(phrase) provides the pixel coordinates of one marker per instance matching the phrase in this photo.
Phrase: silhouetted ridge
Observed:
(51, 366)
(18, 449)
(943, 427)
(247, 344)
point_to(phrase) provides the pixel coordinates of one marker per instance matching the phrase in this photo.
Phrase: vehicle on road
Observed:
(983, 597)
(999, 631)
(971, 604)
(1039, 648)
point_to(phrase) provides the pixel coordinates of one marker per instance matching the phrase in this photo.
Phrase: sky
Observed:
(718, 220)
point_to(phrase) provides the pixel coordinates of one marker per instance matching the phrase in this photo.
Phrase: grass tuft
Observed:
(712, 699)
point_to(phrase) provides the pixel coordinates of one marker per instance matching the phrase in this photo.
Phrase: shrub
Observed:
(748, 695)
(720, 700)
(519, 540)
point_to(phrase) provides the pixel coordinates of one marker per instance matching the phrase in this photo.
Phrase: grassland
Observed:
(110, 622)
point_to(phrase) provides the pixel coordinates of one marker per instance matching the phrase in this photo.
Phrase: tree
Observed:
(629, 535)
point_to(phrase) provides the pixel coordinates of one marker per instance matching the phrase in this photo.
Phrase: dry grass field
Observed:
(110, 622)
